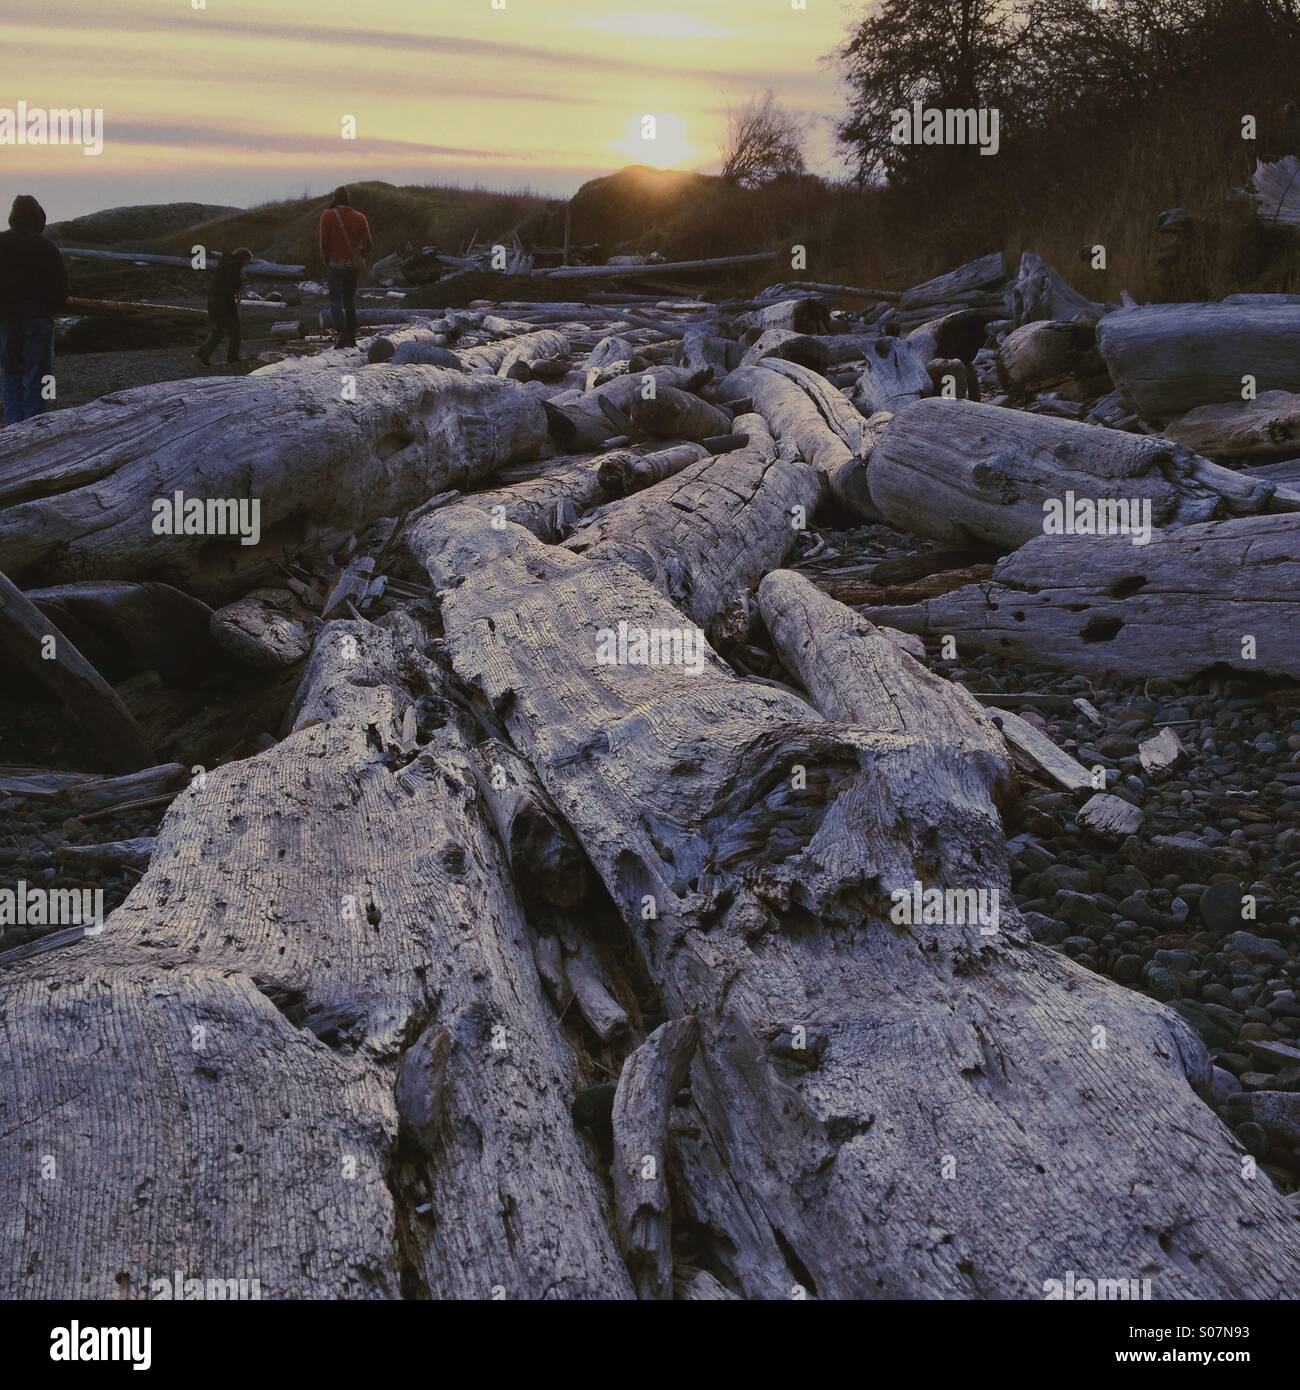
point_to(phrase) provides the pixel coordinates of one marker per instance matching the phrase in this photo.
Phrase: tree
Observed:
(764, 142)
(943, 53)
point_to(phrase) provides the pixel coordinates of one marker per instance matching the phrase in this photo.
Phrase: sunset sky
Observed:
(243, 100)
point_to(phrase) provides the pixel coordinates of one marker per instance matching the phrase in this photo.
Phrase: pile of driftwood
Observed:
(550, 946)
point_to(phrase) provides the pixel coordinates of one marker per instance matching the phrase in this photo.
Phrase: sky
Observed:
(244, 101)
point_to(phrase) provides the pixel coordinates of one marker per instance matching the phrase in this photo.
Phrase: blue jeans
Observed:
(27, 356)
(342, 281)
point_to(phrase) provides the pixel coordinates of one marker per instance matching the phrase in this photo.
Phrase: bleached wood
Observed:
(771, 911)
(1173, 608)
(708, 534)
(1166, 359)
(342, 887)
(804, 411)
(1267, 427)
(80, 483)
(651, 1077)
(960, 471)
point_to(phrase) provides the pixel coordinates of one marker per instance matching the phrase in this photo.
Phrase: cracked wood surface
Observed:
(1180, 605)
(760, 903)
(352, 877)
(79, 485)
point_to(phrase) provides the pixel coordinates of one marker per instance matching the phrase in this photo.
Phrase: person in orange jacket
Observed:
(345, 241)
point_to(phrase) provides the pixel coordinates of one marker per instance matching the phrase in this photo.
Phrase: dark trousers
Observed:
(225, 324)
(27, 357)
(343, 289)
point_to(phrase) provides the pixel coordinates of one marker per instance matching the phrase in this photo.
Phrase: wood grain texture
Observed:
(1100, 604)
(959, 471)
(771, 910)
(79, 484)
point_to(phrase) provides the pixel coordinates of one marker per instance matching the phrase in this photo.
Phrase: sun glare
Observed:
(656, 138)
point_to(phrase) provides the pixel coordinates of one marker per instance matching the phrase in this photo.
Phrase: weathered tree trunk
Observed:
(1048, 355)
(803, 315)
(805, 411)
(532, 353)
(623, 472)
(762, 910)
(1040, 292)
(312, 921)
(707, 535)
(611, 357)
(122, 628)
(579, 422)
(1167, 359)
(1224, 592)
(808, 351)
(893, 375)
(79, 485)
(1267, 427)
(960, 471)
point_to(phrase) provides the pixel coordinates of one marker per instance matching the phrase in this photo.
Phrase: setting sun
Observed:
(658, 139)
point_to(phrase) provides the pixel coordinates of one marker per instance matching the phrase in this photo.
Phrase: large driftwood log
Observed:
(531, 353)
(1048, 355)
(612, 356)
(1040, 292)
(1223, 592)
(122, 628)
(803, 315)
(707, 535)
(639, 272)
(1167, 359)
(960, 471)
(79, 486)
(549, 503)
(308, 916)
(804, 411)
(807, 350)
(579, 421)
(1267, 427)
(835, 1082)
(623, 472)
(647, 1085)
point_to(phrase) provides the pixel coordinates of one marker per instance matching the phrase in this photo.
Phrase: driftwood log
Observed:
(267, 981)
(78, 487)
(1166, 359)
(1266, 428)
(959, 471)
(803, 411)
(763, 915)
(1223, 591)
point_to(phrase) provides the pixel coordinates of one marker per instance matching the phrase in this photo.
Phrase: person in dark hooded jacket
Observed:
(33, 289)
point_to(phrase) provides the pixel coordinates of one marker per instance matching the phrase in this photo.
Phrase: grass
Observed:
(286, 231)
